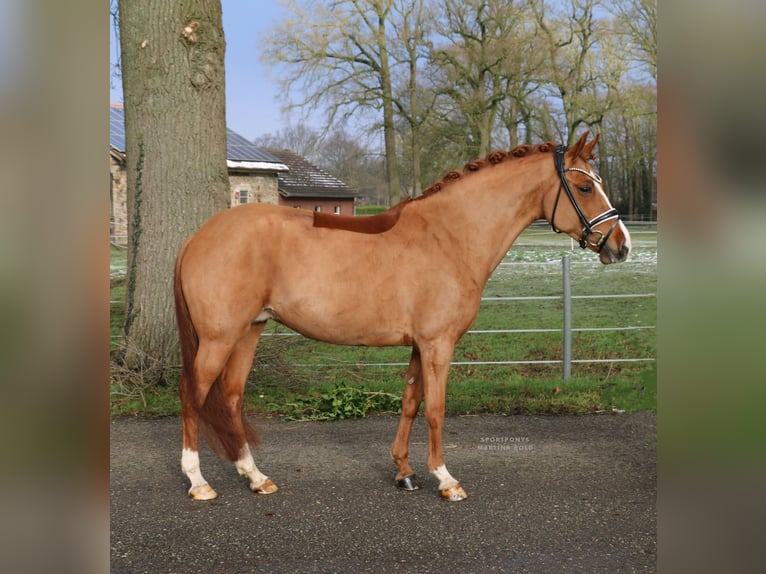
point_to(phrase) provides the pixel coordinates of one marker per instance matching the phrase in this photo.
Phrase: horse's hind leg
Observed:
(200, 489)
(234, 379)
(207, 365)
(411, 399)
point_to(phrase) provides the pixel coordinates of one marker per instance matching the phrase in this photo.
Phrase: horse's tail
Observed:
(187, 335)
(220, 429)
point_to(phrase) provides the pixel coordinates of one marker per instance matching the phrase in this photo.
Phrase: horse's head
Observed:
(583, 210)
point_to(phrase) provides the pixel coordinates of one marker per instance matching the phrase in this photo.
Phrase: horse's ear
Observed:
(587, 151)
(576, 150)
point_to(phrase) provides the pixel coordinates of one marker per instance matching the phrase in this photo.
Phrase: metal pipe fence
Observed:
(566, 330)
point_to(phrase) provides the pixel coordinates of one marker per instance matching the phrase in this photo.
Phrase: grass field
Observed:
(300, 378)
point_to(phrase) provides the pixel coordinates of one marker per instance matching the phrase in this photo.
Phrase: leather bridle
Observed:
(588, 226)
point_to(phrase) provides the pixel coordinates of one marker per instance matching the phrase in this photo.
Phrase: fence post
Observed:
(567, 318)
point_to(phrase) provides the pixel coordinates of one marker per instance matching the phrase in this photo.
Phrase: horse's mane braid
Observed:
(492, 159)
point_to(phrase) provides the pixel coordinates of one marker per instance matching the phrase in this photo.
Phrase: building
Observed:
(306, 186)
(255, 176)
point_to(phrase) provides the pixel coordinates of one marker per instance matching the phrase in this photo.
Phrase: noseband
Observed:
(587, 229)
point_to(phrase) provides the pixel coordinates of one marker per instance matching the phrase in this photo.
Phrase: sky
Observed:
(253, 100)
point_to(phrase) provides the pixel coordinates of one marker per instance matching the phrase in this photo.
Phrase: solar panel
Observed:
(237, 147)
(117, 128)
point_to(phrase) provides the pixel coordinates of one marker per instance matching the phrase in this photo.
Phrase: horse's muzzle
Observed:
(611, 253)
(617, 248)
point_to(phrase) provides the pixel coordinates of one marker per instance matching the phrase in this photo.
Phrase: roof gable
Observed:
(307, 180)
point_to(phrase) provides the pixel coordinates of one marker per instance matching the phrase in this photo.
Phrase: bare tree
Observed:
(414, 103)
(465, 76)
(639, 18)
(300, 139)
(478, 35)
(570, 41)
(173, 86)
(355, 162)
(521, 70)
(630, 166)
(337, 54)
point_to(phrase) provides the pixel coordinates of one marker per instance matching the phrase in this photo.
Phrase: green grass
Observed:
(369, 209)
(278, 387)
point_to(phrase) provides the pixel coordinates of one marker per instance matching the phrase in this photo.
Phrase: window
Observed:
(317, 208)
(336, 211)
(244, 195)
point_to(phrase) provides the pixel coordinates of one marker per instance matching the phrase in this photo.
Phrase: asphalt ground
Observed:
(546, 494)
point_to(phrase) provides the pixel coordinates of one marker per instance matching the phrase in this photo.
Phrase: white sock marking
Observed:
(190, 466)
(445, 478)
(246, 467)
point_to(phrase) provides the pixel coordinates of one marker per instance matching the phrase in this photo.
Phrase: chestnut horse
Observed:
(411, 276)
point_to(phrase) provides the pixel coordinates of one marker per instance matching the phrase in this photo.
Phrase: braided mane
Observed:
(493, 158)
(384, 221)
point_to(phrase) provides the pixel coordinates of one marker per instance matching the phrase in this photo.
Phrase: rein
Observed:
(588, 226)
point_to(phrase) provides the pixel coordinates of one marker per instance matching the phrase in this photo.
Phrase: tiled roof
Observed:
(240, 153)
(307, 180)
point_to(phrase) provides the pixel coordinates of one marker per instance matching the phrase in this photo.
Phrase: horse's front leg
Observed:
(411, 399)
(435, 360)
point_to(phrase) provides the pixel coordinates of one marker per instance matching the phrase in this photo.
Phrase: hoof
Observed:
(408, 483)
(203, 492)
(454, 493)
(267, 487)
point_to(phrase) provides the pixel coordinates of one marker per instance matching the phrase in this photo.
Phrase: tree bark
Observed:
(415, 126)
(175, 127)
(389, 127)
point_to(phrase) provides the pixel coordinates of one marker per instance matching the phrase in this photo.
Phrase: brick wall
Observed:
(253, 188)
(118, 216)
(346, 206)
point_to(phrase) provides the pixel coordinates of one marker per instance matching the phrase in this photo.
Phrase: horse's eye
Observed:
(585, 188)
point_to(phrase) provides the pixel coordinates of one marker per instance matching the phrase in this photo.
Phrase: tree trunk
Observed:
(415, 120)
(392, 164)
(512, 124)
(175, 127)
(389, 127)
